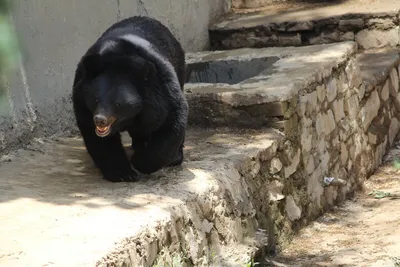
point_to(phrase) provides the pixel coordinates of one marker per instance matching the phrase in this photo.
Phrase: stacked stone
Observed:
(368, 30)
(346, 124)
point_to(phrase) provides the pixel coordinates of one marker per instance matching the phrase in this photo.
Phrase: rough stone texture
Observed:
(368, 39)
(66, 215)
(55, 34)
(372, 25)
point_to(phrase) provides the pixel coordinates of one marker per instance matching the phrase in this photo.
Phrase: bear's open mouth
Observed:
(103, 131)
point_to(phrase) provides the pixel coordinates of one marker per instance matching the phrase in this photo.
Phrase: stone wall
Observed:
(368, 30)
(345, 126)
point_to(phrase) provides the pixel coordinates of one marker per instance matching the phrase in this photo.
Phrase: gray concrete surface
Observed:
(54, 34)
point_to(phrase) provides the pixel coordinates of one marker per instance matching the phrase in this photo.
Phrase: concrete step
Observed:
(371, 25)
(254, 88)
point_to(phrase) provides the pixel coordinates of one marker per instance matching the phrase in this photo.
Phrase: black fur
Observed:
(140, 87)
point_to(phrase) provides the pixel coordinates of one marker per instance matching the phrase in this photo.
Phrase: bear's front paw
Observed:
(119, 177)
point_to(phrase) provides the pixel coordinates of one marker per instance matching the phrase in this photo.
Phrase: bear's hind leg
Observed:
(165, 148)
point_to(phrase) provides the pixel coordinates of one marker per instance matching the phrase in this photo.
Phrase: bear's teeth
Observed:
(102, 131)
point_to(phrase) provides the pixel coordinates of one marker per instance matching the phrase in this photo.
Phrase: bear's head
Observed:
(114, 88)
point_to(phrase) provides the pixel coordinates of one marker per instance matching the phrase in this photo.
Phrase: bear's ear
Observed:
(91, 65)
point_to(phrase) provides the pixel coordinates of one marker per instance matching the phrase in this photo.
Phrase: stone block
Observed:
(353, 73)
(275, 166)
(338, 109)
(310, 164)
(289, 39)
(351, 24)
(325, 37)
(351, 106)
(324, 161)
(372, 138)
(289, 170)
(380, 23)
(394, 83)
(343, 84)
(361, 91)
(314, 186)
(368, 39)
(385, 91)
(307, 103)
(344, 154)
(380, 152)
(275, 189)
(325, 123)
(348, 36)
(321, 92)
(331, 89)
(370, 110)
(393, 130)
(300, 26)
(292, 210)
(306, 139)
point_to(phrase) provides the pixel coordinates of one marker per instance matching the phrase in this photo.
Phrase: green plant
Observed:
(252, 263)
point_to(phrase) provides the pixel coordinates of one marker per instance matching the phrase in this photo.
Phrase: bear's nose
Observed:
(100, 120)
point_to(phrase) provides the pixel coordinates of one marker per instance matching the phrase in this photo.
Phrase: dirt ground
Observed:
(364, 231)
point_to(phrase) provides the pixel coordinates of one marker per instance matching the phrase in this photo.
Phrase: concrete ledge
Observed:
(257, 100)
(56, 209)
(370, 25)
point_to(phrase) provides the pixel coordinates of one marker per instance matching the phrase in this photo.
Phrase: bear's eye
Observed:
(117, 105)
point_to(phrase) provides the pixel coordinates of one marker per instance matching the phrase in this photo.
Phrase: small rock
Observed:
(207, 226)
(300, 26)
(372, 138)
(368, 39)
(275, 191)
(361, 92)
(310, 166)
(353, 74)
(289, 170)
(338, 110)
(381, 24)
(348, 36)
(370, 109)
(290, 40)
(351, 24)
(351, 106)
(330, 37)
(394, 83)
(292, 210)
(330, 124)
(385, 91)
(393, 130)
(344, 154)
(321, 92)
(276, 166)
(331, 89)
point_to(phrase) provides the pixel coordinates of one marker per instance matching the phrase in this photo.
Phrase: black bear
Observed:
(131, 79)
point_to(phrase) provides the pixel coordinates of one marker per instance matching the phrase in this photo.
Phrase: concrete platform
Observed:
(55, 210)
(269, 78)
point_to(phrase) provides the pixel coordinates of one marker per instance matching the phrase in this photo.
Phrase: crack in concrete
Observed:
(118, 10)
(142, 8)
